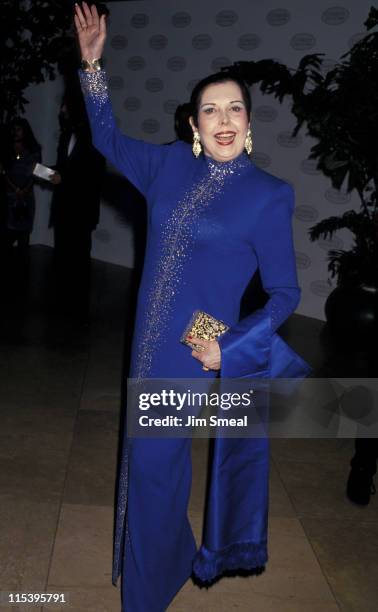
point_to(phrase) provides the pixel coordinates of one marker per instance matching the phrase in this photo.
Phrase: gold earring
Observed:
(248, 145)
(196, 148)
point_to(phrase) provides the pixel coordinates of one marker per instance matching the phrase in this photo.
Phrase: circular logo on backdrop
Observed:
(158, 42)
(330, 243)
(119, 42)
(335, 15)
(262, 160)
(337, 197)
(220, 62)
(132, 104)
(265, 113)
(225, 19)
(136, 63)
(181, 19)
(116, 83)
(249, 42)
(303, 42)
(309, 166)
(202, 42)
(306, 213)
(139, 20)
(302, 260)
(278, 17)
(150, 126)
(176, 63)
(285, 139)
(320, 288)
(170, 106)
(154, 84)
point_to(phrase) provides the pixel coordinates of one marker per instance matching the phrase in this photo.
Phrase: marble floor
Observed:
(60, 389)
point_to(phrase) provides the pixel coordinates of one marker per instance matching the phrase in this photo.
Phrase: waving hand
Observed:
(91, 31)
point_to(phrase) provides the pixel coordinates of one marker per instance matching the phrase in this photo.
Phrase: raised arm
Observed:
(246, 347)
(137, 160)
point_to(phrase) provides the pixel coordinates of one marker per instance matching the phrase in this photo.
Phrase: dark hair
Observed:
(29, 140)
(182, 127)
(218, 77)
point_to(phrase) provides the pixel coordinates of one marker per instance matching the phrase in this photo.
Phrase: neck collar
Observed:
(232, 166)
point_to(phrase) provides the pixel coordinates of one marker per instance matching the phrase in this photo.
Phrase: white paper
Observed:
(43, 172)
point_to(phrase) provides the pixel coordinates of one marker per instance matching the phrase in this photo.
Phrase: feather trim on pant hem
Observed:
(209, 564)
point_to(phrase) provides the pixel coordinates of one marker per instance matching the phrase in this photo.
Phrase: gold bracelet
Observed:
(91, 65)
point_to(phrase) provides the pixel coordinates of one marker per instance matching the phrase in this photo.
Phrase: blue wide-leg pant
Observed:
(160, 551)
(160, 545)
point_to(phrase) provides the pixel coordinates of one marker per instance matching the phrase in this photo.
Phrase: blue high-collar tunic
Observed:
(210, 226)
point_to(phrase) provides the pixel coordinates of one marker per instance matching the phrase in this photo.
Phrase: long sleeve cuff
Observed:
(94, 84)
(251, 349)
(245, 348)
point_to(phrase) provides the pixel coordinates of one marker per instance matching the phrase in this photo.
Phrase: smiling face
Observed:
(222, 121)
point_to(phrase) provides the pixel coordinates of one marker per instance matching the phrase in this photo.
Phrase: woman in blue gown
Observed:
(213, 219)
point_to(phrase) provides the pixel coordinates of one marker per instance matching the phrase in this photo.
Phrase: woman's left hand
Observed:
(55, 178)
(210, 356)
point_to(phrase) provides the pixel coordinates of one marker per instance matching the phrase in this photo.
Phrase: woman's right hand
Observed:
(91, 31)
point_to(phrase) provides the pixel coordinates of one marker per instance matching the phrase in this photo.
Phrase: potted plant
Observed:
(340, 111)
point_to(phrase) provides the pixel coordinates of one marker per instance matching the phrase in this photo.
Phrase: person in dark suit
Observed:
(21, 153)
(75, 207)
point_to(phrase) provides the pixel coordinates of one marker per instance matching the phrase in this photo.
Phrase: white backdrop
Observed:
(156, 51)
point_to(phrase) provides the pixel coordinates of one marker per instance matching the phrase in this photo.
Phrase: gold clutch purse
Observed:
(202, 325)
